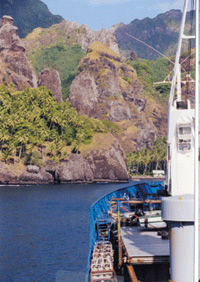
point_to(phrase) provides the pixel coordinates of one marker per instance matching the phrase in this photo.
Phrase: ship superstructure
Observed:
(180, 211)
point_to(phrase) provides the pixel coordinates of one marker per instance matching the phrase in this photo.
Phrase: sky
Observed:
(98, 14)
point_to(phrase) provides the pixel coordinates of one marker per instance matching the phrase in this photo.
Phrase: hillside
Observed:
(100, 84)
(160, 32)
(40, 135)
(28, 14)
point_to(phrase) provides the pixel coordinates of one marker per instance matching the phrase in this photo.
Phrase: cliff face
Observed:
(107, 88)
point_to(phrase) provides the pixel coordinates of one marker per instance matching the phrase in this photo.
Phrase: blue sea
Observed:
(44, 230)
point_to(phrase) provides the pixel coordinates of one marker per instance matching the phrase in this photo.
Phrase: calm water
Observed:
(44, 231)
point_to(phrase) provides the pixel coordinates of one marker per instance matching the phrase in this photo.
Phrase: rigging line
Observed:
(160, 52)
(150, 47)
(153, 49)
(188, 57)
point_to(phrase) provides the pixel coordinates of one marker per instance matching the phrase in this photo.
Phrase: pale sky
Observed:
(99, 14)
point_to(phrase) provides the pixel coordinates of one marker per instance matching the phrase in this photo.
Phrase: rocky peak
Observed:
(51, 79)
(7, 19)
(9, 39)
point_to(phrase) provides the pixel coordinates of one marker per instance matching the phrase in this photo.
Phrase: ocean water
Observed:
(44, 230)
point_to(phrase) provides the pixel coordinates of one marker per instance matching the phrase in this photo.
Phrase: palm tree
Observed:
(4, 137)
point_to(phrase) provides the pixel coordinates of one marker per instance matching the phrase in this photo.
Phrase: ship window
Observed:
(184, 137)
(184, 145)
(181, 105)
(185, 130)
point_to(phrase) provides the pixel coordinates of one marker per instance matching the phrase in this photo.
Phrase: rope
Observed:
(150, 47)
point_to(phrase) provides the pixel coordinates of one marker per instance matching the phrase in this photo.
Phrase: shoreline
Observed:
(100, 181)
(146, 177)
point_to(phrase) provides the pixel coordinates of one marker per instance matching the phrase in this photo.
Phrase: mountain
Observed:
(97, 81)
(111, 112)
(28, 14)
(160, 32)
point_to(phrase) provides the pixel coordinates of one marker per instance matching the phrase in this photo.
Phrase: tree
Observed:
(144, 161)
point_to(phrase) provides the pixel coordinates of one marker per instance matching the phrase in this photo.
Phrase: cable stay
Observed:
(168, 79)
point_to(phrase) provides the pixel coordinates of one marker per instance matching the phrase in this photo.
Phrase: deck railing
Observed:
(99, 210)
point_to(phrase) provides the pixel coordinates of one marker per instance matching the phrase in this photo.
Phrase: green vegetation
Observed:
(34, 158)
(150, 72)
(146, 160)
(126, 78)
(65, 59)
(111, 126)
(34, 126)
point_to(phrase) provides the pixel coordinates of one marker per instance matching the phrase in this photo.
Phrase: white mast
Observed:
(180, 210)
(180, 174)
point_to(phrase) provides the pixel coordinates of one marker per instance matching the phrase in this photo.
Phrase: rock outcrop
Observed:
(108, 163)
(76, 169)
(98, 165)
(6, 175)
(14, 64)
(51, 79)
(107, 88)
(11, 174)
(35, 176)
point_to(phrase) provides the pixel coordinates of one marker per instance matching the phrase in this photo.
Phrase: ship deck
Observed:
(144, 246)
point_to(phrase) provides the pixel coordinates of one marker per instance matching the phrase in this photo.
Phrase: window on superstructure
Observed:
(184, 138)
(185, 130)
